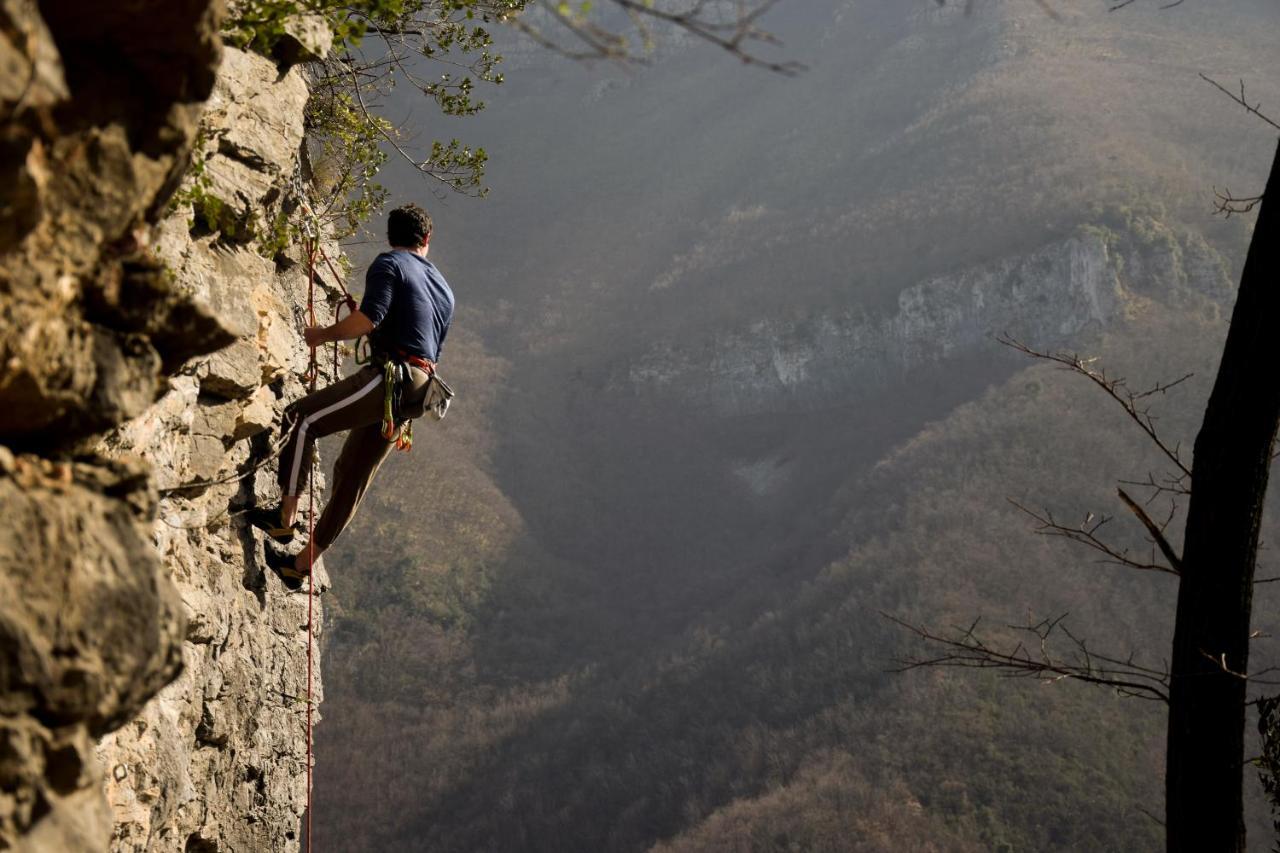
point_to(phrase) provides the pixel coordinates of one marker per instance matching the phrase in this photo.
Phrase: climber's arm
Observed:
(379, 289)
(348, 328)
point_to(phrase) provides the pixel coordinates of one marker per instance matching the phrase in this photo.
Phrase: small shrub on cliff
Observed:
(378, 44)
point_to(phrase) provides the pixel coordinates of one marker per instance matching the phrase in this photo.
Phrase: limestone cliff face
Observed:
(1049, 297)
(143, 354)
(217, 760)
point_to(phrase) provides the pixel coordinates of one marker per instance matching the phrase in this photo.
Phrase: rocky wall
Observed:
(145, 351)
(217, 760)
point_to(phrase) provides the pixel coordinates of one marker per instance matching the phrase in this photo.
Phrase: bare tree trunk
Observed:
(1204, 779)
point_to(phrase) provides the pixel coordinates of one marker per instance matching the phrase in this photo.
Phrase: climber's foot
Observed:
(283, 564)
(270, 521)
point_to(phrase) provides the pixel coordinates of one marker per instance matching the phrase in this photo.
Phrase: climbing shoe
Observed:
(282, 563)
(269, 520)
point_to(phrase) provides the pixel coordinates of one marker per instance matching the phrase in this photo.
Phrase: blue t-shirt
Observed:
(410, 304)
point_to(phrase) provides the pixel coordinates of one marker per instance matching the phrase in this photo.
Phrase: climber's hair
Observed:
(408, 226)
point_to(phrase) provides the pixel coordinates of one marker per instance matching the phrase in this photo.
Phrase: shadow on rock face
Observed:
(98, 112)
(91, 148)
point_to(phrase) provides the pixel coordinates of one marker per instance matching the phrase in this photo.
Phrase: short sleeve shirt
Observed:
(409, 303)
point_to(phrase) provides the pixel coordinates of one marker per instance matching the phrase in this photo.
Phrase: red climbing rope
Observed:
(311, 376)
(348, 301)
(313, 369)
(311, 597)
(337, 276)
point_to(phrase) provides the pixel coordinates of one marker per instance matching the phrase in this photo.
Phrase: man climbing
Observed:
(406, 311)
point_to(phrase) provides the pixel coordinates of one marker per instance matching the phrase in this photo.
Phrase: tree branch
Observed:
(1240, 99)
(1228, 205)
(968, 650)
(1118, 391)
(1087, 534)
(392, 141)
(733, 35)
(1157, 532)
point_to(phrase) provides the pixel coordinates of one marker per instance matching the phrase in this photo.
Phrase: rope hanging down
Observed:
(313, 247)
(311, 243)
(313, 370)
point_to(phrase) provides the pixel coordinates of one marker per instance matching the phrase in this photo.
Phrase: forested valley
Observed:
(730, 396)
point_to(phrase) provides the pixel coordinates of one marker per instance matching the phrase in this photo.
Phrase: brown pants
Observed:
(355, 404)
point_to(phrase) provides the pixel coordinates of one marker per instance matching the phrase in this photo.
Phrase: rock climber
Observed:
(406, 310)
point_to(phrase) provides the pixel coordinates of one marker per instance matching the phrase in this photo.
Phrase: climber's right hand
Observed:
(315, 335)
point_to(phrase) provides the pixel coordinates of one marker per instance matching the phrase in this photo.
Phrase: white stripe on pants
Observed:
(295, 467)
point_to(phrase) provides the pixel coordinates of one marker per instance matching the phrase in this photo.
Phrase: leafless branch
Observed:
(736, 32)
(1037, 658)
(1117, 390)
(433, 31)
(1240, 99)
(1086, 533)
(1143, 811)
(1176, 486)
(1227, 205)
(1220, 660)
(1048, 10)
(1123, 3)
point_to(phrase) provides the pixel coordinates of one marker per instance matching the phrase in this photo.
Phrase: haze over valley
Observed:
(730, 392)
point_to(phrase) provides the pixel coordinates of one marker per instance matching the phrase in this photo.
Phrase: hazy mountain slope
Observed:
(443, 713)
(783, 688)
(729, 390)
(919, 140)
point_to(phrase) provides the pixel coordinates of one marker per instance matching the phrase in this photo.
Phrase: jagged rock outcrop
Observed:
(90, 625)
(143, 352)
(100, 118)
(1049, 296)
(90, 629)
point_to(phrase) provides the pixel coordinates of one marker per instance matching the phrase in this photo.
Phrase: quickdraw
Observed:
(393, 374)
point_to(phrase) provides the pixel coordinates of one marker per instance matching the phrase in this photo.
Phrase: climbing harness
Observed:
(397, 424)
(397, 415)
